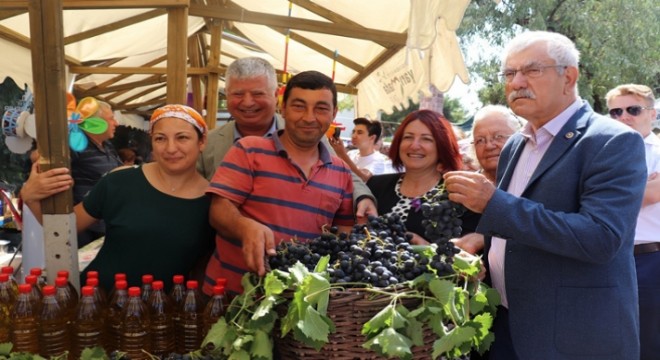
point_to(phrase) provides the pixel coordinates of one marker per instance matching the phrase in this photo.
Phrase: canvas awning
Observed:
(118, 54)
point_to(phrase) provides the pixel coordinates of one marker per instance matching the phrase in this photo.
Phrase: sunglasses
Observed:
(632, 110)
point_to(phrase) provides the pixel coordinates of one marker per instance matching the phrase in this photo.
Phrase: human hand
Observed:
(471, 243)
(337, 145)
(471, 189)
(42, 185)
(258, 240)
(364, 208)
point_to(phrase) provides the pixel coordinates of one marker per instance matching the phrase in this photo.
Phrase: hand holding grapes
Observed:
(257, 240)
(471, 189)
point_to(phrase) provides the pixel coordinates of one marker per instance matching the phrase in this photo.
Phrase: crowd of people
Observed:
(562, 202)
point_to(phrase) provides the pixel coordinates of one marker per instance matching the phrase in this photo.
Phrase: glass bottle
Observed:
(65, 298)
(113, 316)
(35, 293)
(24, 323)
(191, 324)
(7, 300)
(54, 339)
(88, 329)
(215, 308)
(72, 289)
(9, 270)
(162, 325)
(147, 280)
(135, 326)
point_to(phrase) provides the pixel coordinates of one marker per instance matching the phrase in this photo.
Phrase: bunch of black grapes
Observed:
(377, 253)
(442, 222)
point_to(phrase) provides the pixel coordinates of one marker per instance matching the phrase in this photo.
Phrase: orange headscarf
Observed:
(178, 111)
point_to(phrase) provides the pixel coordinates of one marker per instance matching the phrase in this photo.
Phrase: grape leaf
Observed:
(391, 344)
(455, 338)
(467, 265)
(443, 290)
(264, 308)
(378, 321)
(322, 265)
(262, 346)
(239, 355)
(5, 348)
(415, 331)
(477, 303)
(298, 272)
(313, 325)
(95, 353)
(241, 341)
(481, 323)
(318, 289)
(273, 285)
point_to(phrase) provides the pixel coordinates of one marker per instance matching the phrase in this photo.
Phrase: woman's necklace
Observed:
(162, 178)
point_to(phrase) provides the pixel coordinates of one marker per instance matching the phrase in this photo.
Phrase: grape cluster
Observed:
(118, 355)
(378, 253)
(442, 222)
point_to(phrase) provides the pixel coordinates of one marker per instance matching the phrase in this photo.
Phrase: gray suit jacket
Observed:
(221, 139)
(569, 268)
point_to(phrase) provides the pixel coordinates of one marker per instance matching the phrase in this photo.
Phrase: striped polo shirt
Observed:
(258, 176)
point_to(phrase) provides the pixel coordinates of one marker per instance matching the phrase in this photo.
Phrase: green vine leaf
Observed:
(5, 348)
(442, 290)
(96, 353)
(390, 342)
(314, 326)
(454, 339)
(262, 345)
(239, 355)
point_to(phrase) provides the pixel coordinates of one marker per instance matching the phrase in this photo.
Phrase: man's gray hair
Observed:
(560, 48)
(250, 68)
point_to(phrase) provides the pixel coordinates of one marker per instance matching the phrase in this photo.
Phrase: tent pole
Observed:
(47, 45)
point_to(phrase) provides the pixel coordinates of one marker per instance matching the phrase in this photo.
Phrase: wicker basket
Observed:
(349, 310)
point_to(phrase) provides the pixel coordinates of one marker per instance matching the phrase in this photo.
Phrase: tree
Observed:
(618, 40)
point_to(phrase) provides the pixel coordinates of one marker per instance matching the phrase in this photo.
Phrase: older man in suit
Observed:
(560, 225)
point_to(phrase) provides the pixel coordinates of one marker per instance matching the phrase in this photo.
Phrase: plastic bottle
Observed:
(215, 308)
(88, 329)
(9, 270)
(24, 323)
(41, 280)
(190, 331)
(113, 316)
(135, 326)
(65, 298)
(145, 290)
(162, 325)
(54, 337)
(72, 289)
(177, 295)
(7, 300)
(99, 294)
(35, 293)
(118, 277)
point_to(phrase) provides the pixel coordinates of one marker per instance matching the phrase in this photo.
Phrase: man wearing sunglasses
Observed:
(559, 224)
(632, 104)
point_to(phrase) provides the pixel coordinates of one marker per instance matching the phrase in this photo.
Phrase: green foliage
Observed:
(460, 312)
(452, 110)
(618, 40)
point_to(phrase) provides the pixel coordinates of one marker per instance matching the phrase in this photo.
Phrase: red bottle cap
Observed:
(36, 271)
(177, 279)
(147, 279)
(218, 290)
(4, 277)
(63, 273)
(61, 281)
(121, 284)
(9, 270)
(31, 279)
(92, 274)
(221, 281)
(92, 282)
(88, 290)
(191, 284)
(24, 288)
(48, 290)
(157, 285)
(133, 291)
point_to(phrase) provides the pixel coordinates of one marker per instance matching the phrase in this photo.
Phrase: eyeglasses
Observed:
(530, 72)
(498, 139)
(632, 110)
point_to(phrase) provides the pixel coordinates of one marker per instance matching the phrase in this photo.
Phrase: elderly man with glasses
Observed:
(632, 104)
(560, 223)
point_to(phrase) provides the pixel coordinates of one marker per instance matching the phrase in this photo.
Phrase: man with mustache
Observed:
(632, 104)
(560, 224)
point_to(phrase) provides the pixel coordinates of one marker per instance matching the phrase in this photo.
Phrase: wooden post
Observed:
(214, 76)
(194, 49)
(47, 41)
(177, 44)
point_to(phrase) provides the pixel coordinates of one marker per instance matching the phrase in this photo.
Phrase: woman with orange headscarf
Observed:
(156, 214)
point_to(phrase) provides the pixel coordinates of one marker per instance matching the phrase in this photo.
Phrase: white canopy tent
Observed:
(363, 41)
